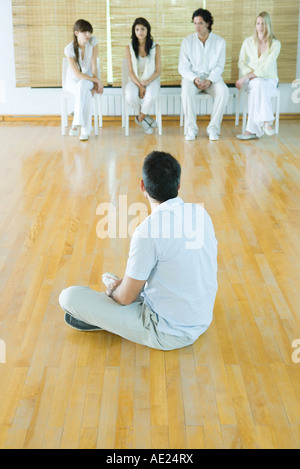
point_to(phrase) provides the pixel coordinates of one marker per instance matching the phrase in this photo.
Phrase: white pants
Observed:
(260, 92)
(135, 322)
(218, 91)
(142, 105)
(81, 89)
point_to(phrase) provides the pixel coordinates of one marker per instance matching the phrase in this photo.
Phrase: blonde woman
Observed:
(143, 60)
(82, 77)
(258, 71)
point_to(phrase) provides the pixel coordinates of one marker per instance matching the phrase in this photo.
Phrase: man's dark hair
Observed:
(206, 15)
(161, 175)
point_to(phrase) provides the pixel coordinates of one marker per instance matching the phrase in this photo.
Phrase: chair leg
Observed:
(100, 111)
(64, 115)
(126, 119)
(158, 115)
(181, 113)
(277, 114)
(123, 111)
(96, 122)
(244, 113)
(237, 108)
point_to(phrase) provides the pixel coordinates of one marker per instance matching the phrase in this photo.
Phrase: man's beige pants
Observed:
(135, 322)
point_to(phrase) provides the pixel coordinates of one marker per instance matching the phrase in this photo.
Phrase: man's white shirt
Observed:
(175, 250)
(196, 58)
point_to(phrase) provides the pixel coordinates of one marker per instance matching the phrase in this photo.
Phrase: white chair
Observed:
(242, 94)
(204, 97)
(64, 101)
(125, 106)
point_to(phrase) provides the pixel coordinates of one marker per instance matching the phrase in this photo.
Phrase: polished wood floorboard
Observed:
(237, 386)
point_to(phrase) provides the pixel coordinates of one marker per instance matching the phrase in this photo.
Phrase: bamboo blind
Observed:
(42, 29)
(170, 22)
(235, 22)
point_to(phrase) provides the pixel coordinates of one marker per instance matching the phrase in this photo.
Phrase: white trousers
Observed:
(81, 89)
(135, 322)
(260, 92)
(218, 91)
(142, 105)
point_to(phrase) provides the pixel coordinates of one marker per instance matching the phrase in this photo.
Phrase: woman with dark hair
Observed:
(82, 77)
(143, 60)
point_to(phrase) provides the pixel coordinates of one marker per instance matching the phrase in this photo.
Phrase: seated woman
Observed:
(143, 59)
(258, 70)
(82, 79)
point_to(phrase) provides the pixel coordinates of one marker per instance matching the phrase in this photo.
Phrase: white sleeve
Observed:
(142, 257)
(69, 50)
(218, 69)
(185, 66)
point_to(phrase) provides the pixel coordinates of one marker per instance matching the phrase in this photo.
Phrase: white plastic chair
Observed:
(199, 97)
(242, 94)
(125, 107)
(64, 101)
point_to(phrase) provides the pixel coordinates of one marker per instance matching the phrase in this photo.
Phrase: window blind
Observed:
(42, 29)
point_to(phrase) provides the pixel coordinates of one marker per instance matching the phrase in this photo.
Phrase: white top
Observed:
(196, 58)
(264, 66)
(149, 60)
(86, 62)
(175, 250)
(141, 64)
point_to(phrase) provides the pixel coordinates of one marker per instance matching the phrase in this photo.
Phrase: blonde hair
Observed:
(268, 27)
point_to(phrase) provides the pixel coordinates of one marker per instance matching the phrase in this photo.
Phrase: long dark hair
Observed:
(134, 39)
(81, 26)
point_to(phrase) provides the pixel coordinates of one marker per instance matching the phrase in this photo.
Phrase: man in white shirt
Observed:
(166, 298)
(201, 64)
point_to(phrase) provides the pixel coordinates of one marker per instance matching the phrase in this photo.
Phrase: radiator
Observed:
(170, 102)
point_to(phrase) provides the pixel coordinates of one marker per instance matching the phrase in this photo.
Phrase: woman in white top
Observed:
(82, 77)
(143, 60)
(258, 70)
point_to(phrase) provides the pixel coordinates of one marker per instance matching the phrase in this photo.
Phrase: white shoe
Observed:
(246, 136)
(108, 279)
(83, 137)
(150, 121)
(267, 131)
(144, 124)
(190, 135)
(74, 132)
(213, 137)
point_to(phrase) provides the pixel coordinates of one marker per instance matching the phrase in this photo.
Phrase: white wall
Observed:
(27, 101)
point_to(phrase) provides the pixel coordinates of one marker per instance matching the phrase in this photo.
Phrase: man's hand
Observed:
(202, 84)
(113, 285)
(126, 290)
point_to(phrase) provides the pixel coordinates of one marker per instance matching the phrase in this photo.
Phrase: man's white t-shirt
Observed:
(175, 250)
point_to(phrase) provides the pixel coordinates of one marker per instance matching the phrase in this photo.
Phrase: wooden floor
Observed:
(237, 386)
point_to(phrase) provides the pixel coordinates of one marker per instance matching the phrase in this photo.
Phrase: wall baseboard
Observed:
(56, 118)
